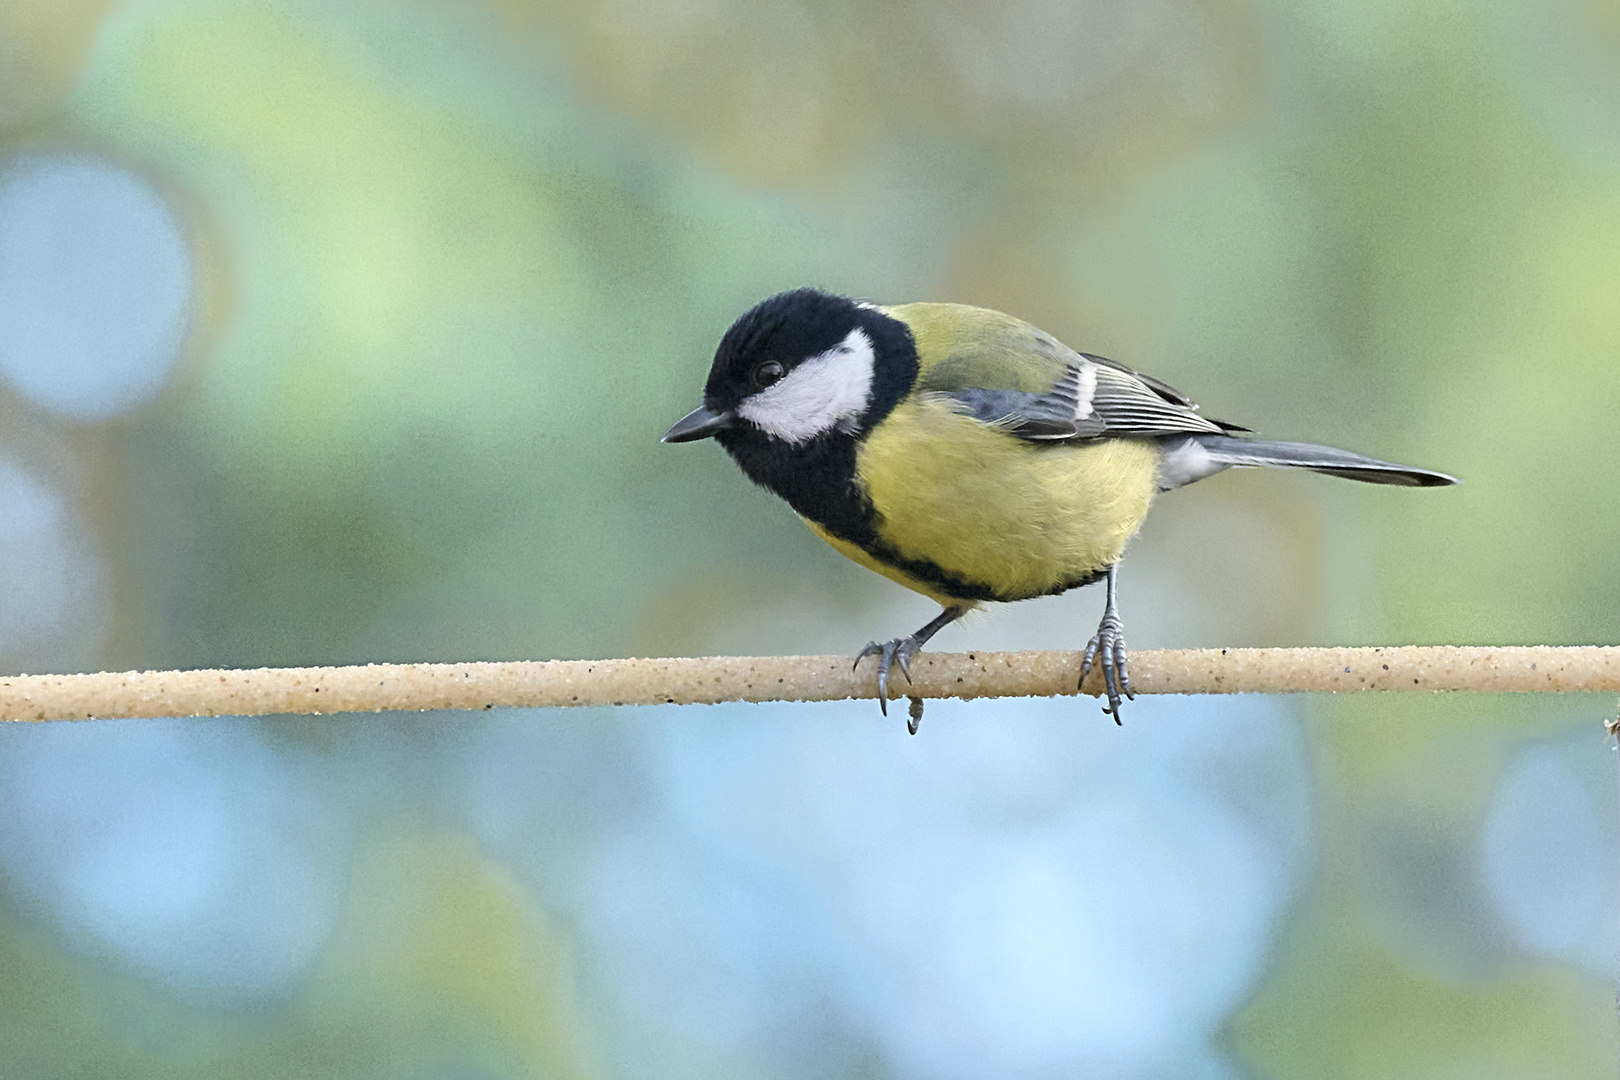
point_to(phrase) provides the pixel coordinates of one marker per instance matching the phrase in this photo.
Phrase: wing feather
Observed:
(1118, 404)
(1003, 371)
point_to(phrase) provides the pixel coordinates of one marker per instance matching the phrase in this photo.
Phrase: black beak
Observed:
(701, 423)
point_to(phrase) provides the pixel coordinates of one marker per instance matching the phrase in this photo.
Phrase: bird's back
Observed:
(959, 346)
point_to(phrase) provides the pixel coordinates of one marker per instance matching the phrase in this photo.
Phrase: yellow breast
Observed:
(1020, 517)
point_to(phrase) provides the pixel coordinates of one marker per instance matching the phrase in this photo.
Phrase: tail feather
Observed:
(1198, 456)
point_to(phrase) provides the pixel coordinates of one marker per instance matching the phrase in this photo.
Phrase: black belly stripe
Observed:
(954, 585)
(926, 571)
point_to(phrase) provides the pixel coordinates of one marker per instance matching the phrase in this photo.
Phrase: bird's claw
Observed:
(900, 651)
(1107, 647)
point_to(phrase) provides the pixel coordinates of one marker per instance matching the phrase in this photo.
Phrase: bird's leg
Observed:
(1107, 647)
(901, 650)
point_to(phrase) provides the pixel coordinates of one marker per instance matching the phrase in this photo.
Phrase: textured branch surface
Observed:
(706, 680)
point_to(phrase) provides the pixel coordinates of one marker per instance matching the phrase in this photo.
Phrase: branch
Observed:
(706, 680)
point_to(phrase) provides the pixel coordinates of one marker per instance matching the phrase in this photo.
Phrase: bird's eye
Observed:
(767, 373)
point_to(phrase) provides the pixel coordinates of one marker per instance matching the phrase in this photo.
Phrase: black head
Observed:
(797, 382)
(801, 366)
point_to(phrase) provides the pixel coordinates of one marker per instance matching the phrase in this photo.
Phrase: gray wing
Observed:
(1095, 398)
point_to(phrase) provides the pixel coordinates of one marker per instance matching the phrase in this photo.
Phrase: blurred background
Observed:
(334, 332)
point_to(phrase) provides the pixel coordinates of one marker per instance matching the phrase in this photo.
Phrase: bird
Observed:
(968, 455)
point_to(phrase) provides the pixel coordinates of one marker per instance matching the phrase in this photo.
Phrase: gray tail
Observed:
(1203, 455)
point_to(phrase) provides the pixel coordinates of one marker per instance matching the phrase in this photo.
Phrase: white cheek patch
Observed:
(825, 391)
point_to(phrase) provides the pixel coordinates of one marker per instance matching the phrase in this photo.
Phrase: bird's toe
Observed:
(1107, 650)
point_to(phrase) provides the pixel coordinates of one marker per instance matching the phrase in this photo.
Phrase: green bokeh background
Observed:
(462, 263)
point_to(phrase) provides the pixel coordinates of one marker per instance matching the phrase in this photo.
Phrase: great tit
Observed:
(968, 455)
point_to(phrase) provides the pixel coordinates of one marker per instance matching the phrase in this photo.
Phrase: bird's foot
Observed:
(899, 651)
(1107, 648)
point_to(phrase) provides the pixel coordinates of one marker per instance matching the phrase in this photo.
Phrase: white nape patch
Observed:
(827, 390)
(1186, 461)
(1086, 390)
